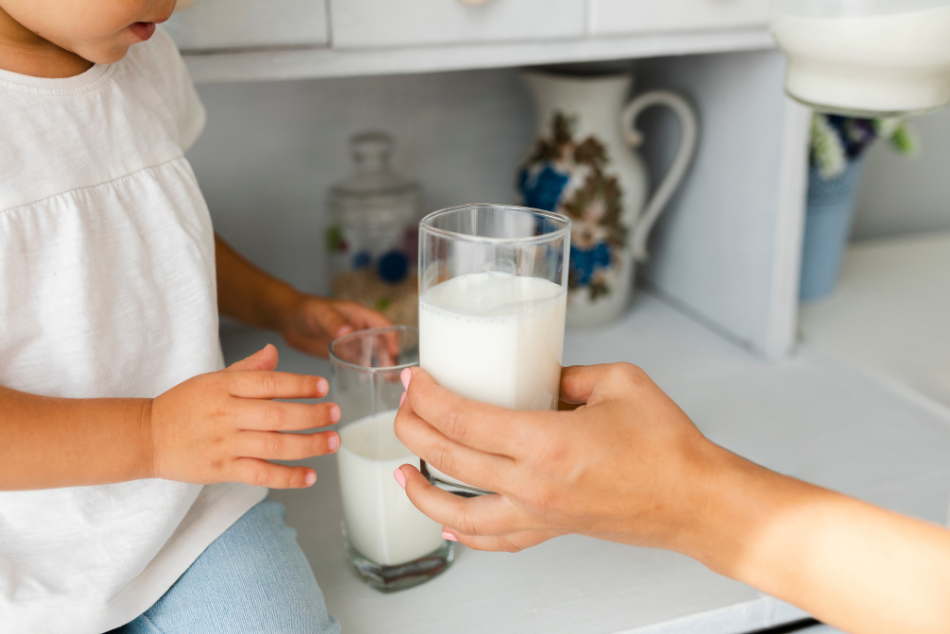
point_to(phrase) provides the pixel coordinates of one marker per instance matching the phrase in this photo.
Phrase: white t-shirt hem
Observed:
(217, 507)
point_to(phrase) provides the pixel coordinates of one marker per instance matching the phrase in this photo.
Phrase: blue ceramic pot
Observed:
(829, 212)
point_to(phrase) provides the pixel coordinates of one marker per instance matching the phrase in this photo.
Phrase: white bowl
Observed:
(871, 58)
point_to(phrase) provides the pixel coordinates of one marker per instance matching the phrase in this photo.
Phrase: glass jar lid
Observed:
(374, 192)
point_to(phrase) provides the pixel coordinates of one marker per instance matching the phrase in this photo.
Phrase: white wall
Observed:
(271, 150)
(901, 195)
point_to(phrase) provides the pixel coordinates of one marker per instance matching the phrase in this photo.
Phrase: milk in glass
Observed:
(496, 338)
(381, 522)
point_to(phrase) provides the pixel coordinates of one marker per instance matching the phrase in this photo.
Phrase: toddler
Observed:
(132, 466)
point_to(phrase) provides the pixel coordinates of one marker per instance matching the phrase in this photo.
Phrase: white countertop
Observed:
(811, 416)
(890, 314)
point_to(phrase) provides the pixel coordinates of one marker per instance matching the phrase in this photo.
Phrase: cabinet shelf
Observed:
(275, 63)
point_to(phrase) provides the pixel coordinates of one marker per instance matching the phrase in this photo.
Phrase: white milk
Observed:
(381, 522)
(893, 63)
(496, 338)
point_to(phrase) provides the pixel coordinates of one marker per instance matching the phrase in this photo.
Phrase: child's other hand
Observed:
(312, 322)
(225, 427)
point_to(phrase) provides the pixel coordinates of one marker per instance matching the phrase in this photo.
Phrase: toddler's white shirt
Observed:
(107, 289)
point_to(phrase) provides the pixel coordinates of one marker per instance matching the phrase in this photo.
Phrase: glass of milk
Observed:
(390, 544)
(492, 298)
(867, 58)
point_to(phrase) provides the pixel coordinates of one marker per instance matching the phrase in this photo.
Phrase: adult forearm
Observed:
(56, 442)
(247, 293)
(851, 564)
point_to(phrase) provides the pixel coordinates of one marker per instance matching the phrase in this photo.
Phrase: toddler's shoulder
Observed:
(158, 64)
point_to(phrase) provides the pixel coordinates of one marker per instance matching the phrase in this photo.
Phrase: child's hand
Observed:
(225, 427)
(311, 323)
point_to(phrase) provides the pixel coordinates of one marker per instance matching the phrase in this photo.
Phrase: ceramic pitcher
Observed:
(584, 165)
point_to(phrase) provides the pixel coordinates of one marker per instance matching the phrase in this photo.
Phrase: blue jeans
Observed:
(253, 578)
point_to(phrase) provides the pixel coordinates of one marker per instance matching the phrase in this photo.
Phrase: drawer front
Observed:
(615, 17)
(376, 23)
(228, 24)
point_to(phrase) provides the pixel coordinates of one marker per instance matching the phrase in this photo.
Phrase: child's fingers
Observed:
(276, 416)
(360, 316)
(273, 476)
(264, 359)
(329, 319)
(260, 384)
(277, 446)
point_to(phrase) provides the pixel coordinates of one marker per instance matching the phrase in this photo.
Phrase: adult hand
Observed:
(225, 427)
(627, 465)
(311, 323)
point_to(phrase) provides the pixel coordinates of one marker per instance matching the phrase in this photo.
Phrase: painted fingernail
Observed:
(449, 536)
(322, 386)
(333, 442)
(335, 414)
(343, 330)
(402, 399)
(406, 376)
(400, 478)
(311, 478)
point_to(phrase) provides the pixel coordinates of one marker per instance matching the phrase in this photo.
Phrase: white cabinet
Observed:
(376, 23)
(231, 24)
(616, 17)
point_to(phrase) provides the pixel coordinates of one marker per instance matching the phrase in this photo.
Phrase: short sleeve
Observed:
(193, 114)
(189, 112)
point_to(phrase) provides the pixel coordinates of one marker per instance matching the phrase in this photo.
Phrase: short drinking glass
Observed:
(391, 545)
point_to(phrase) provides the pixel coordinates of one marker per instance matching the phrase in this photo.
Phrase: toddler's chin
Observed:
(109, 54)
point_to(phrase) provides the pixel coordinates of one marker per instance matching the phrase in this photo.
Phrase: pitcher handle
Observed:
(688, 135)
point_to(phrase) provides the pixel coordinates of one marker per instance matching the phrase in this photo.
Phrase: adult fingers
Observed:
(581, 383)
(261, 384)
(471, 423)
(273, 476)
(507, 542)
(483, 515)
(277, 416)
(264, 359)
(485, 470)
(279, 446)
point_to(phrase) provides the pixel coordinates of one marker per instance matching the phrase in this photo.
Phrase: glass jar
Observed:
(372, 234)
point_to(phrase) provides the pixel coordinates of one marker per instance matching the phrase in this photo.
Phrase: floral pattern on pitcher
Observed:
(569, 176)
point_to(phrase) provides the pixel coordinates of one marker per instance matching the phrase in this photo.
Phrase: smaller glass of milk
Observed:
(391, 545)
(492, 298)
(866, 58)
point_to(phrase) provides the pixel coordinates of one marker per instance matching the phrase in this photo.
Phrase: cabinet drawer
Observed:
(369, 23)
(615, 17)
(225, 24)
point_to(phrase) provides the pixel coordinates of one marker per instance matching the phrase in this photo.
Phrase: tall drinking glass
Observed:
(492, 298)
(391, 545)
